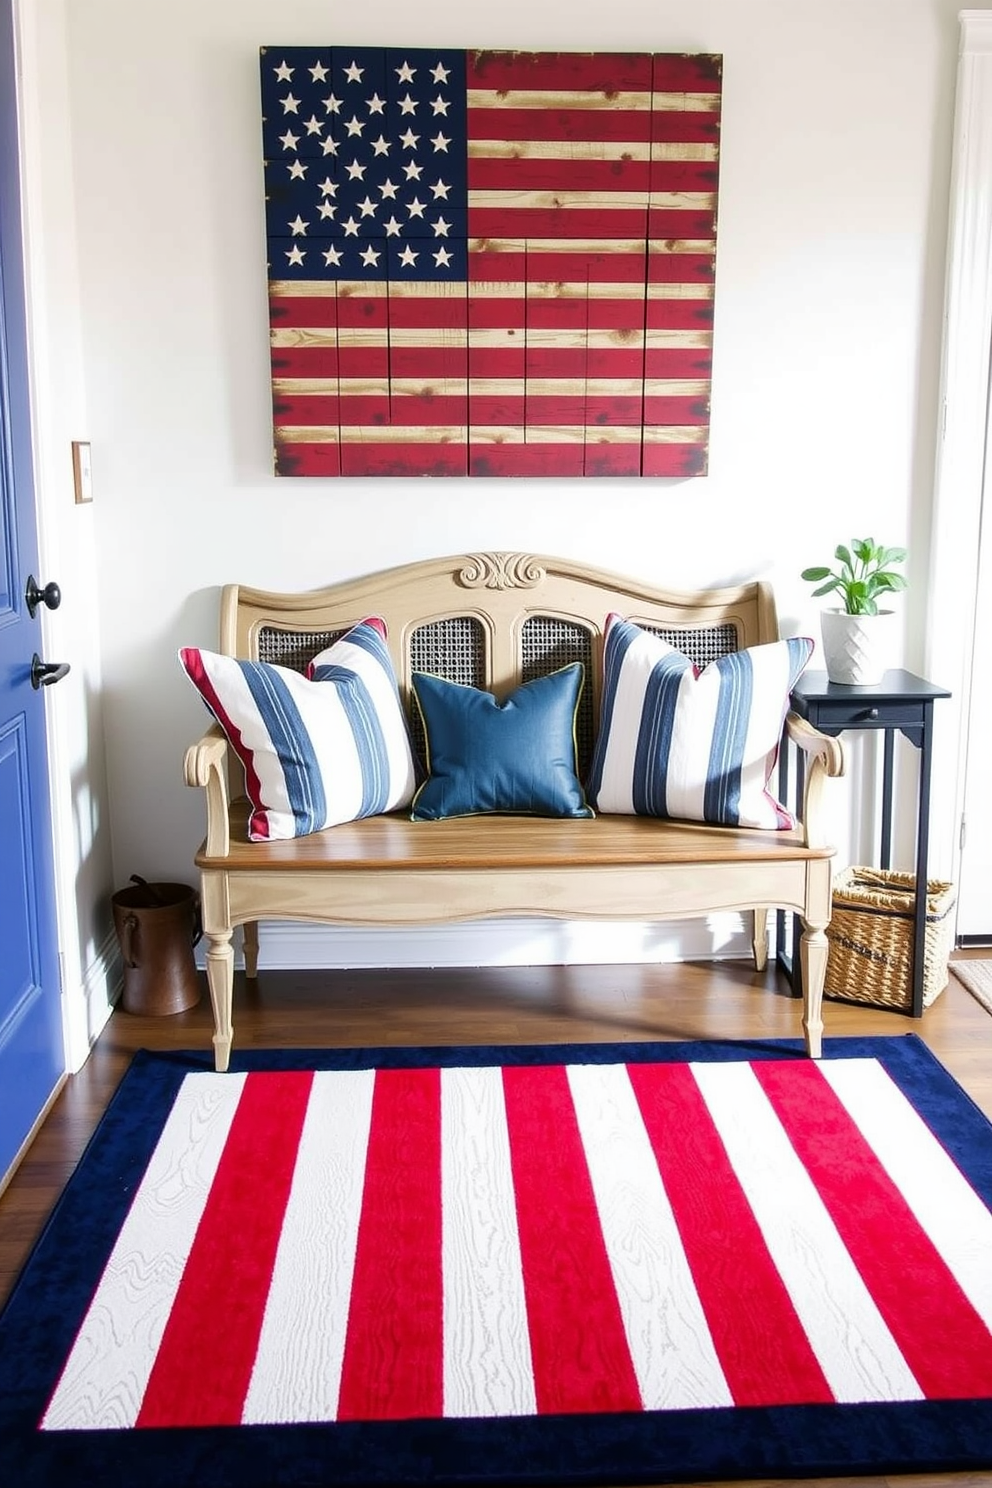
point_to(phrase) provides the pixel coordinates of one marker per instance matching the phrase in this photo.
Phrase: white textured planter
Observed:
(857, 648)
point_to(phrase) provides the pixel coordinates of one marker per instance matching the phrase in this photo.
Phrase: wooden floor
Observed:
(511, 1005)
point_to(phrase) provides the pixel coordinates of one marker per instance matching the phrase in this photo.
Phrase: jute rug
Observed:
(573, 1264)
(977, 977)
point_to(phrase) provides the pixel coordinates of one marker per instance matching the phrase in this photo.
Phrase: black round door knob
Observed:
(51, 595)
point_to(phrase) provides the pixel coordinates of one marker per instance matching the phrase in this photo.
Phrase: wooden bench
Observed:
(495, 620)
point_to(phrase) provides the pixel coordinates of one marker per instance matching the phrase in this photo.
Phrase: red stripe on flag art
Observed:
(490, 263)
(536, 1240)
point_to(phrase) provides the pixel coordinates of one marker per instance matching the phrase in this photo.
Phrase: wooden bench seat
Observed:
(494, 620)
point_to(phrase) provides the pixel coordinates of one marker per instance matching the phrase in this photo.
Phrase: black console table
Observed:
(903, 702)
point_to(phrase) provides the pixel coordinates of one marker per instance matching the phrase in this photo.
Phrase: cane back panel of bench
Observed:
(455, 648)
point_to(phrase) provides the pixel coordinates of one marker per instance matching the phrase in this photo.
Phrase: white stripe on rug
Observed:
(297, 1370)
(848, 1334)
(670, 1343)
(107, 1372)
(946, 1206)
(487, 1358)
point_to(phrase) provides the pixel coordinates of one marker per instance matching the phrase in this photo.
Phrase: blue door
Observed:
(32, 1055)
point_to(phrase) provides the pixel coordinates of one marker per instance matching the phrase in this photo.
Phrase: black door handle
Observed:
(51, 595)
(44, 673)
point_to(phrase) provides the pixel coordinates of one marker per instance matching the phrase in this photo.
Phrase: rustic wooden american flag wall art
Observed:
(490, 263)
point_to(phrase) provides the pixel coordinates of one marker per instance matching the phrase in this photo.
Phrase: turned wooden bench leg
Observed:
(813, 947)
(220, 979)
(251, 949)
(759, 939)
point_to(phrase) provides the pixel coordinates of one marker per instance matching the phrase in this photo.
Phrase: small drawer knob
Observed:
(870, 713)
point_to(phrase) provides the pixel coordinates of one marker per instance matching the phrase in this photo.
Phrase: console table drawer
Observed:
(833, 716)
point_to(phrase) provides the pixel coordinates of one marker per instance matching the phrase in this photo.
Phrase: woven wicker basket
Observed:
(871, 938)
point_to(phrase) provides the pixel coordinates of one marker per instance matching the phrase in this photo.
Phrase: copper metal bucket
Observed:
(158, 924)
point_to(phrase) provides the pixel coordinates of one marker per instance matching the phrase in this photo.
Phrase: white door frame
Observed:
(962, 433)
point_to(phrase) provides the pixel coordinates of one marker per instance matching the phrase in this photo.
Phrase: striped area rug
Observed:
(607, 1263)
(976, 974)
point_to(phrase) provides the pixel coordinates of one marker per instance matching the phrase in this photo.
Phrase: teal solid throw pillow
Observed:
(484, 756)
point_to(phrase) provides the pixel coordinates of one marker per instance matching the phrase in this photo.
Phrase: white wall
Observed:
(832, 227)
(68, 533)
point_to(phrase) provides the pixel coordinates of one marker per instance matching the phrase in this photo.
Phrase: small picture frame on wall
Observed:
(82, 474)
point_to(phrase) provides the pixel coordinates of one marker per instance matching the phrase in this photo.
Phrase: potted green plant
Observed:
(855, 636)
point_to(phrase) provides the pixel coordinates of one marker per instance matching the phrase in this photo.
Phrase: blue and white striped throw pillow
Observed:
(697, 745)
(317, 750)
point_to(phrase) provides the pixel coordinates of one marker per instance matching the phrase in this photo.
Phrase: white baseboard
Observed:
(290, 946)
(286, 945)
(87, 1007)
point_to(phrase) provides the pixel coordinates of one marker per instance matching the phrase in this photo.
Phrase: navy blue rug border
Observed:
(36, 1331)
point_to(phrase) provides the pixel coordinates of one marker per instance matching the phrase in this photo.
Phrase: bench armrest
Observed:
(206, 765)
(824, 758)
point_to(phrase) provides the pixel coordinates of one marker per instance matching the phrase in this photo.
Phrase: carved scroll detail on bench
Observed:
(501, 571)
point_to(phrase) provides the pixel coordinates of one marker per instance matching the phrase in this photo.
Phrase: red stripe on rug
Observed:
(758, 1336)
(579, 1348)
(943, 1340)
(204, 1363)
(393, 1358)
